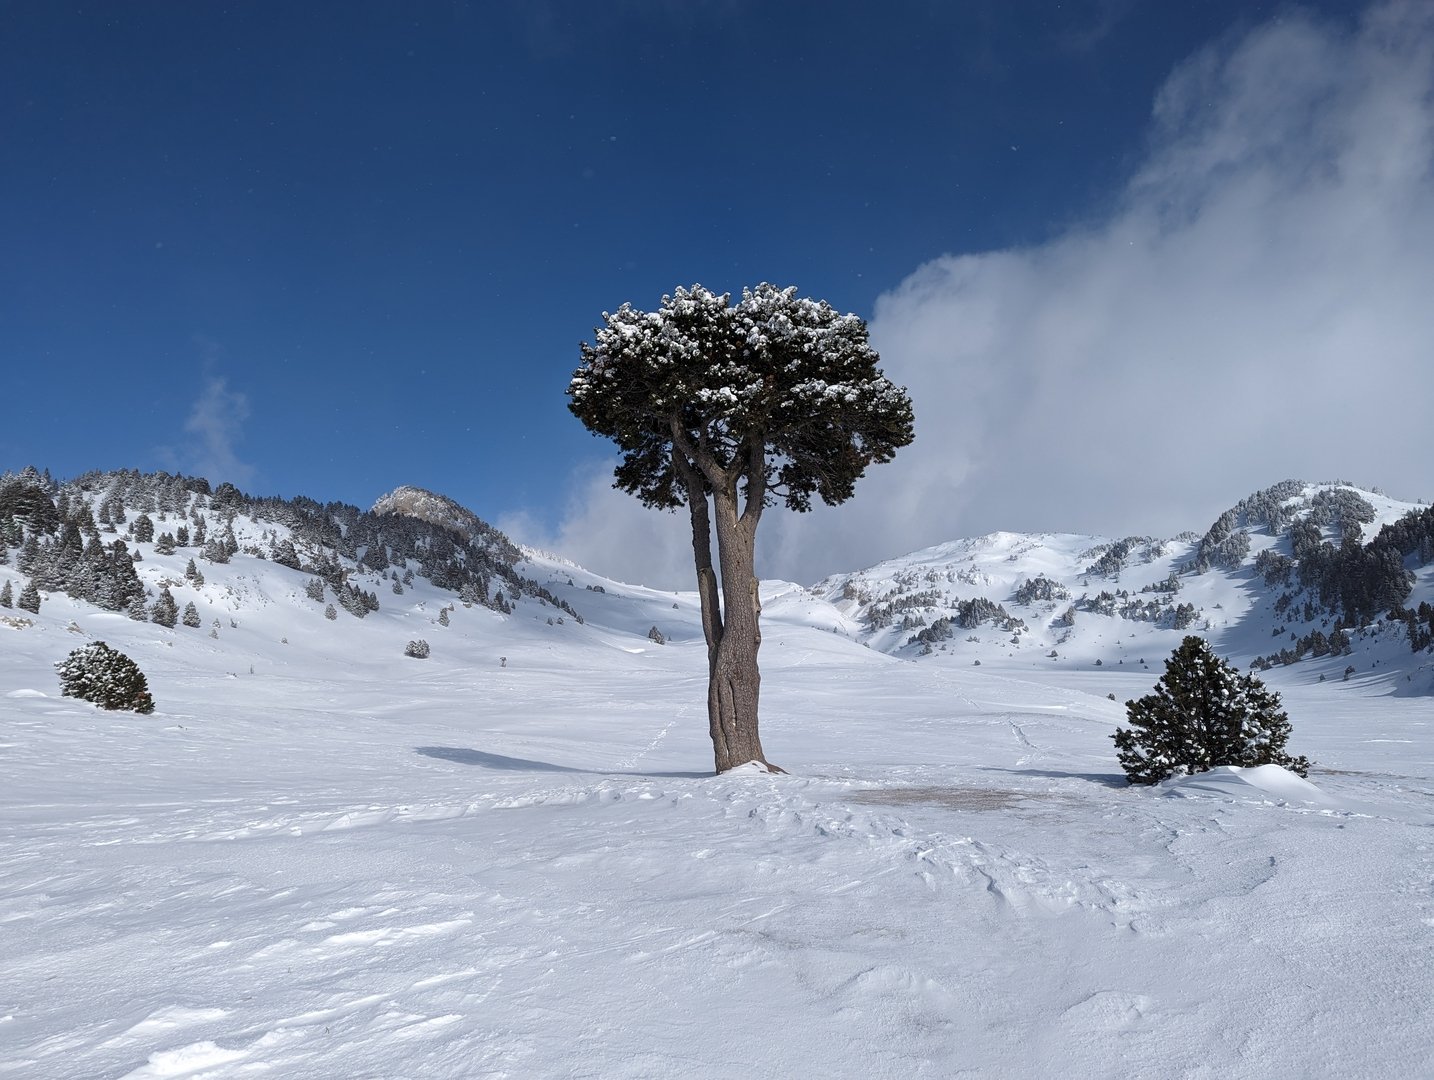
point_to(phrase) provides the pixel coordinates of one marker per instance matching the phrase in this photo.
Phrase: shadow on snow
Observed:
(465, 756)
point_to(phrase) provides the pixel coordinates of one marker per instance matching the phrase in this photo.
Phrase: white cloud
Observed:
(216, 424)
(611, 533)
(1255, 307)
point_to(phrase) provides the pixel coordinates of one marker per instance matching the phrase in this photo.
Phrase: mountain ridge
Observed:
(1291, 573)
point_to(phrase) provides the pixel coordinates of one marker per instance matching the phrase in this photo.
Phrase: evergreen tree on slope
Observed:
(29, 598)
(166, 611)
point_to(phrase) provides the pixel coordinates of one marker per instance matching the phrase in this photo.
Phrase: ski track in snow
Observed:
(457, 869)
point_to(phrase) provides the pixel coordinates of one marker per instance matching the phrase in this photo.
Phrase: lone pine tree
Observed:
(727, 408)
(105, 676)
(1203, 713)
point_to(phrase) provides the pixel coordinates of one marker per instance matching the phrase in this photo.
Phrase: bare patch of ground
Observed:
(957, 798)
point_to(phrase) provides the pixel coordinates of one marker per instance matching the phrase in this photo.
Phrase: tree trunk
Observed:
(730, 623)
(702, 556)
(734, 689)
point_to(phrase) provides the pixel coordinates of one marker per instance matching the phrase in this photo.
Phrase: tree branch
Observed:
(755, 470)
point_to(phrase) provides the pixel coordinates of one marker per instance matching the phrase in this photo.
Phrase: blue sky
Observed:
(329, 248)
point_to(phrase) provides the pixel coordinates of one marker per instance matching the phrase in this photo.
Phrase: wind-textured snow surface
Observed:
(319, 858)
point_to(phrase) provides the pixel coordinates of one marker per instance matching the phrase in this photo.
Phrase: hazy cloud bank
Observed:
(1255, 306)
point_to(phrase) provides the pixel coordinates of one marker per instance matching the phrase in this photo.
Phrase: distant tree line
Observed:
(968, 615)
(1341, 580)
(1133, 609)
(1360, 582)
(1111, 559)
(58, 534)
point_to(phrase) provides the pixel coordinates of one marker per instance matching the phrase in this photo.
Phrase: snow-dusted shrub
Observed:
(657, 636)
(1203, 713)
(105, 676)
(416, 649)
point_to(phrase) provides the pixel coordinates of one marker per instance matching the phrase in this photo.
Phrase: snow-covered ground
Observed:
(320, 858)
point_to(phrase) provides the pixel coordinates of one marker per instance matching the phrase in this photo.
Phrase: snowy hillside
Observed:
(322, 858)
(1079, 601)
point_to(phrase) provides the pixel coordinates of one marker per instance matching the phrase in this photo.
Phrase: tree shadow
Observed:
(465, 756)
(1114, 780)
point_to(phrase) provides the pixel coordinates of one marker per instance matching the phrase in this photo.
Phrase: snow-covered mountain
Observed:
(1297, 571)
(322, 857)
(422, 505)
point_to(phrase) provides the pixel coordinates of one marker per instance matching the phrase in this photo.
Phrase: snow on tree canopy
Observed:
(105, 676)
(773, 374)
(773, 398)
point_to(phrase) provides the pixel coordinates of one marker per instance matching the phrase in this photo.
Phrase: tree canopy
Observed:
(773, 398)
(780, 388)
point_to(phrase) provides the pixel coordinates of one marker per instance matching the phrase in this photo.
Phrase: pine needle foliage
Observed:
(105, 676)
(727, 408)
(1203, 713)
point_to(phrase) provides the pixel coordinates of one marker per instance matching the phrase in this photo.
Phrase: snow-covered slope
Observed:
(1083, 601)
(322, 858)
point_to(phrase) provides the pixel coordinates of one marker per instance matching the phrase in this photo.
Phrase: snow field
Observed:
(351, 863)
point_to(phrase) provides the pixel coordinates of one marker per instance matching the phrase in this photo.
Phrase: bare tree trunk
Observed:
(702, 556)
(735, 688)
(730, 625)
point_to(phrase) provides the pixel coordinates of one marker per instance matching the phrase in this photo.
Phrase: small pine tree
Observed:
(443, 617)
(416, 649)
(215, 550)
(191, 614)
(137, 609)
(165, 611)
(164, 544)
(284, 554)
(193, 574)
(29, 598)
(656, 636)
(7, 595)
(314, 589)
(330, 613)
(1203, 713)
(143, 528)
(105, 676)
